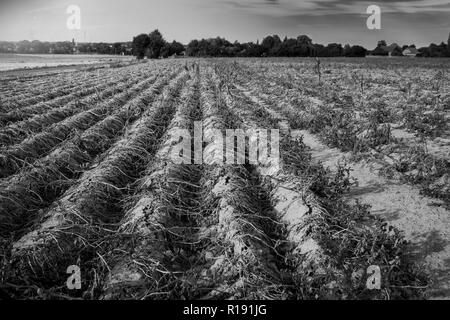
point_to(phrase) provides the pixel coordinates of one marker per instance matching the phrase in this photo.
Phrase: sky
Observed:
(343, 21)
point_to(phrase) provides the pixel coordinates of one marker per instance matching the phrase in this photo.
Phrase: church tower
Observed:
(74, 47)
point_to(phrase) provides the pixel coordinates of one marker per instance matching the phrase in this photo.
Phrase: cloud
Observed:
(283, 8)
(343, 21)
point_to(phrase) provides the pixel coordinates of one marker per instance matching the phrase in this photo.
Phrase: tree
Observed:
(270, 42)
(24, 46)
(177, 48)
(170, 49)
(354, 51)
(140, 44)
(156, 44)
(347, 50)
(381, 43)
(320, 50)
(306, 48)
(379, 51)
(397, 52)
(443, 50)
(448, 46)
(434, 50)
(165, 51)
(64, 47)
(304, 40)
(334, 50)
(118, 48)
(251, 50)
(283, 49)
(192, 48)
(424, 52)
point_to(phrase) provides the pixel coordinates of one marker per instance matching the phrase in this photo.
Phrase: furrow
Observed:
(26, 152)
(48, 178)
(76, 226)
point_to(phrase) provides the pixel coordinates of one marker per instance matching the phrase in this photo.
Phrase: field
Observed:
(29, 61)
(363, 180)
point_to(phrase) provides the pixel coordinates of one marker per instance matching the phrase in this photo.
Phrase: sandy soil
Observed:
(438, 147)
(424, 223)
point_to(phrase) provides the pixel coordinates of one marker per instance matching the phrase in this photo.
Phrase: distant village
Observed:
(394, 49)
(143, 47)
(66, 47)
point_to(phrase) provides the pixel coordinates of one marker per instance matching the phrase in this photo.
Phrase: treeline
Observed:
(271, 46)
(433, 50)
(153, 45)
(65, 47)
(119, 48)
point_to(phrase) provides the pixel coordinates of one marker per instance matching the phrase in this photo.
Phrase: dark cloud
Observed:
(334, 6)
(21, 4)
(384, 3)
(253, 4)
(13, 7)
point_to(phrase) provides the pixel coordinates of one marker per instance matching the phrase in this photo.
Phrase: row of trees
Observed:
(65, 47)
(120, 48)
(271, 46)
(153, 45)
(433, 50)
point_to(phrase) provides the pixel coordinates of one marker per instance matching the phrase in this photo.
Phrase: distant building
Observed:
(387, 50)
(410, 52)
(75, 49)
(175, 56)
(390, 49)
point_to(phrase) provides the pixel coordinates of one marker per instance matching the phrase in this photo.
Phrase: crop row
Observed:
(71, 98)
(49, 92)
(42, 182)
(159, 218)
(327, 234)
(16, 95)
(370, 134)
(81, 216)
(35, 146)
(17, 131)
